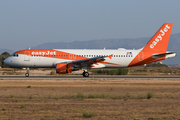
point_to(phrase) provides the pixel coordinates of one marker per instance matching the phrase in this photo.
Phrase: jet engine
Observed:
(63, 68)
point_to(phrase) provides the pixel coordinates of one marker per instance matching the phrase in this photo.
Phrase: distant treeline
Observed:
(3, 56)
(156, 65)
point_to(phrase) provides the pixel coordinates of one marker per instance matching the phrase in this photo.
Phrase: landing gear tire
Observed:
(85, 74)
(27, 74)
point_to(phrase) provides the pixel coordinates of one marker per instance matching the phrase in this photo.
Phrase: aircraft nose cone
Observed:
(7, 61)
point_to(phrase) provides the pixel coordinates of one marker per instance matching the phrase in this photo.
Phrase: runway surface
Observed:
(90, 77)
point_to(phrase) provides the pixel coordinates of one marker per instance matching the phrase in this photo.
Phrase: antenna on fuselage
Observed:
(29, 48)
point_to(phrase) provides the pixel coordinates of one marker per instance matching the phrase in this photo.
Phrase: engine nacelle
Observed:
(63, 68)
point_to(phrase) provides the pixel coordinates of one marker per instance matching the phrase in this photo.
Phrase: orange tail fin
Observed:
(159, 41)
(157, 45)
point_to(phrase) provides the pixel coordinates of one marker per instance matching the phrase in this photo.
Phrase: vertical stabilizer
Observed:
(157, 45)
(159, 41)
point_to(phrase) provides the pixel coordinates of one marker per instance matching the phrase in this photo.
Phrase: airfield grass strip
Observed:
(104, 95)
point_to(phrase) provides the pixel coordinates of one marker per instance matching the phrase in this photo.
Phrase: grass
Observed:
(104, 95)
(113, 97)
(80, 95)
(70, 96)
(22, 105)
(127, 95)
(16, 100)
(149, 95)
(100, 102)
(30, 97)
(12, 96)
(87, 114)
(136, 119)
(93, 95)
(29, 86)
(56, 98)
(3, 109)
(49, 96)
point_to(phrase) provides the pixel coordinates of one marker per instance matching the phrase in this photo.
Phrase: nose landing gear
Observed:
(27, 73)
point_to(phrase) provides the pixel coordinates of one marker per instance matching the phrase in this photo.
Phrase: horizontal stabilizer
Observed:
(166, 55)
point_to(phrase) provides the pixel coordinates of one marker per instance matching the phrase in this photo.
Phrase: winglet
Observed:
(110, 56)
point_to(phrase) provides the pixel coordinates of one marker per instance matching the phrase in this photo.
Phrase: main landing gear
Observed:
(85, 74)
(27, 73)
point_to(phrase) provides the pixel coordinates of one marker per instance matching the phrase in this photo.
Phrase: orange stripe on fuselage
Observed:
(50, 53)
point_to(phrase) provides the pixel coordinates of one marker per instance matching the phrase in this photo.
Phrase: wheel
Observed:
(27, 74)
(85, 74)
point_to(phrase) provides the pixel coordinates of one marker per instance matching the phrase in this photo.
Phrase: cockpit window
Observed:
(15, 55)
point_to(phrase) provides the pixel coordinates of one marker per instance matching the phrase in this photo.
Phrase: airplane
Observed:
(68, 60)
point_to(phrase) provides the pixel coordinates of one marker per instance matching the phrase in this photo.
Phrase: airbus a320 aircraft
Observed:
(68, 60)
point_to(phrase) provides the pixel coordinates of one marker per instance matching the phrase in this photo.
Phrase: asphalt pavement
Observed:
(91, 77)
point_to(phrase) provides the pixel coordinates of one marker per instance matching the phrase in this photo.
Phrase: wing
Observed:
(89, 62)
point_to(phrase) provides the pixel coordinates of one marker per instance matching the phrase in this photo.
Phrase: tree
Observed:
(3, 56)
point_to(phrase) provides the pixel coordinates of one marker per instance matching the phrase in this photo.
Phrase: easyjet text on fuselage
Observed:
(43, 53)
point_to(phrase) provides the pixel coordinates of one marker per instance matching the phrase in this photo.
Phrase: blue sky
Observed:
(27, 23)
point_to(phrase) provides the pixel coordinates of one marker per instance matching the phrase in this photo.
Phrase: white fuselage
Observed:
(120, 58)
